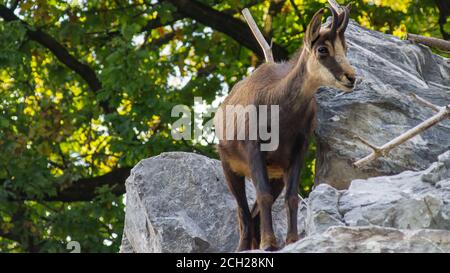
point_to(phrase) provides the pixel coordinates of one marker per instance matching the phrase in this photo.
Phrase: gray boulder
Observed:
(373, 240)
(179, 202)
(380, 109)
(408, 212)
(322, 210)
(410, 200)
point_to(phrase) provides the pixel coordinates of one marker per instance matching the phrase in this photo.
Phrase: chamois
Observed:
(291, 85)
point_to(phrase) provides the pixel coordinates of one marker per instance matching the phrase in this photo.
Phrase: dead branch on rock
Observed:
(267, 49)
(430, 41)
(442, 114)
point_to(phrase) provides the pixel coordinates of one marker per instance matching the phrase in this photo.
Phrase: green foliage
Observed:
(55, 130)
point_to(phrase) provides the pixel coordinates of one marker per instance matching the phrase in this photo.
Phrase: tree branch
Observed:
(267, 50)
(84, 189)
(443, 113)
(152, 24)
(430, 41)
(60, 52)
(426, 103)
(226, 24)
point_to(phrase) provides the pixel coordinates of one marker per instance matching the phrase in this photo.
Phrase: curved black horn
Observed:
(335, 22)
(345, 21)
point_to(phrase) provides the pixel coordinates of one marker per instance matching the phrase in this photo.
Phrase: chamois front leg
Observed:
(291, 179)
(264, 196)
(236, 184)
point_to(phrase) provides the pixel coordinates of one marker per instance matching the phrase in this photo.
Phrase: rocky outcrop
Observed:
(179, 202)
(380, 109)
(373, 240)
(410, 200)
(408, 212)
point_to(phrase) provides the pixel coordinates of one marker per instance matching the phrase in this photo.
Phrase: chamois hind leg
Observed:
(236, 185)
(277, 188)
(264, 197)
(291, 179)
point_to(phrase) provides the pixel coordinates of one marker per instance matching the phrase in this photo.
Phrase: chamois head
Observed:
(327, 51)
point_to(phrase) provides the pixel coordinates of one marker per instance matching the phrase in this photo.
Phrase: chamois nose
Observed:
(351, 78)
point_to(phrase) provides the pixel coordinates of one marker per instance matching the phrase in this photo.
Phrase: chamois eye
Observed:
(323, 51)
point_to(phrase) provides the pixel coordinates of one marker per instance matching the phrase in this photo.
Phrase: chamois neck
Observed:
(299, 85)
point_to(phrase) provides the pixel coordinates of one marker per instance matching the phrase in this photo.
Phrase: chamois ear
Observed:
(313, 30)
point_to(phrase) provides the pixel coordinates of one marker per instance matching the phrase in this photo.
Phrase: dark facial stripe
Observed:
(333, 66)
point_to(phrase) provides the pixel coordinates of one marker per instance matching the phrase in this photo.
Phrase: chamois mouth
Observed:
(346, 87)
(349, 85)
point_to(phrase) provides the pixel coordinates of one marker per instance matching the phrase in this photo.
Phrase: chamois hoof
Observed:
(255, 244)
(269, 244)
(292, 238)
(244, 245)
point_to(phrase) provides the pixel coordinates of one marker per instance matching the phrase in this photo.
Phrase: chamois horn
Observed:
(335, 23)
(344, 23)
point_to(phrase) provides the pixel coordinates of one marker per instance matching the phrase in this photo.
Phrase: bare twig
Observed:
(267, 50)
(442, 114)
(426, 103)
(366, 142)
(430, 41)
